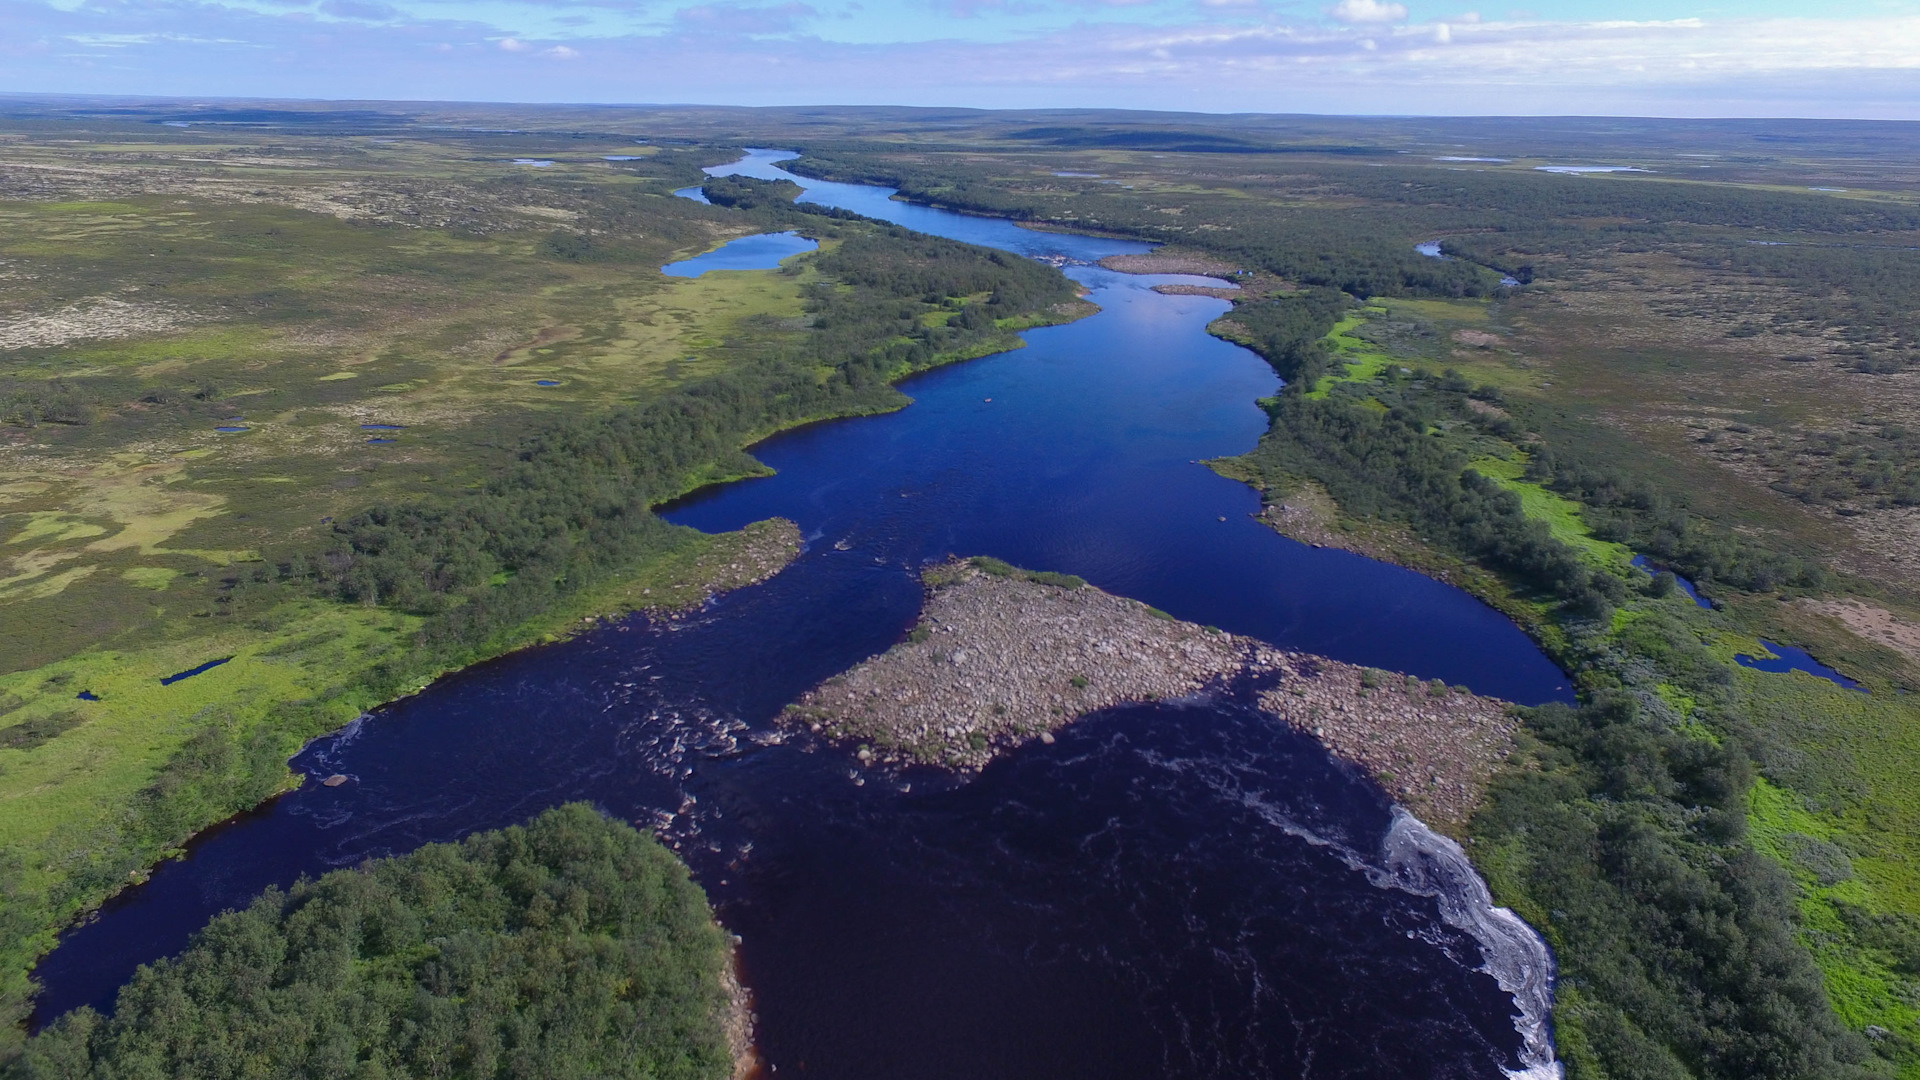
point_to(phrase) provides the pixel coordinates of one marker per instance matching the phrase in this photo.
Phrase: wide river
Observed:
(1183, 889)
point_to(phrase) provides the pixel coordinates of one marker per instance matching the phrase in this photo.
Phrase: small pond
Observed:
(762, 252)
(1786, 658)
(1686, 586)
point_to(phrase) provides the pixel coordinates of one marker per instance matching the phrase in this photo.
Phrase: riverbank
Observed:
(738, 1018)
(1001, 657)
(131, 768)
(319, 657)
(1245, 284)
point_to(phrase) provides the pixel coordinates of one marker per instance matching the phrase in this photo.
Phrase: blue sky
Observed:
(1759, 57)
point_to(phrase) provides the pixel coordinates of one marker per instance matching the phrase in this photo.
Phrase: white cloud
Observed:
(1862, 66)
(1367, 11)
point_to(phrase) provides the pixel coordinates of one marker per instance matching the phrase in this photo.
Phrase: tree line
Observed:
(570, 946)
(1624, 837)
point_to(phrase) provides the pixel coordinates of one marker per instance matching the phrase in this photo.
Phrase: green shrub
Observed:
(571, 946)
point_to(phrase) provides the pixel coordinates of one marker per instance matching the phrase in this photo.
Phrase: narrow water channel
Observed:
(1182, 889)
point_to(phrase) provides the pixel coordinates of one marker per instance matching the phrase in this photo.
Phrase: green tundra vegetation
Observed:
(347, 409)
(570, 946)
(1706, 363)
(1719, 376)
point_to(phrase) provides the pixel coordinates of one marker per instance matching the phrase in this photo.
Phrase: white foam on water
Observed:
(1420, 861)
(1414, 859)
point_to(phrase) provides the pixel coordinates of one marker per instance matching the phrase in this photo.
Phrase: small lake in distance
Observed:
(1177, 889)
(763, 251)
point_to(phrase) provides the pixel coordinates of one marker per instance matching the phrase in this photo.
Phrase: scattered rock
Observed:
(1037, 656)
(1164, 262)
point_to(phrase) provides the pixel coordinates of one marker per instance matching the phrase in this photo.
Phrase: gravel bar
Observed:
(1002, 656)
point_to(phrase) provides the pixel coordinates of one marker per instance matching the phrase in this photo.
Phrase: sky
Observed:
(1591, 57)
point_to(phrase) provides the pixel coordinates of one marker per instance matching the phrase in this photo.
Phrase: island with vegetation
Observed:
(393, 402)
(570, 946)
(293, 425)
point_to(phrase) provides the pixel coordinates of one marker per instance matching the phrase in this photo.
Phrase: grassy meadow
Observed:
(384, 320)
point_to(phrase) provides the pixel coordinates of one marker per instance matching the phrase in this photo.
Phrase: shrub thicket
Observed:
(571, 946)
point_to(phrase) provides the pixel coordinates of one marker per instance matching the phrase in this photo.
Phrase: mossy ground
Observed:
(1845, 764)
(1355, 360)
(301, 292)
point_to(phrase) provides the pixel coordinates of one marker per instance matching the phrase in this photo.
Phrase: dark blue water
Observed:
(1080, 453)
(1787, 658)
(1173, 890)
(1685, 585)
(169, 680)
(762, 252)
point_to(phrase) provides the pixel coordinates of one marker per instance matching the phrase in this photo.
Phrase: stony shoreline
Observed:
(1001, 657)
(1240, 284)
(1164, 262)
(738, 1019)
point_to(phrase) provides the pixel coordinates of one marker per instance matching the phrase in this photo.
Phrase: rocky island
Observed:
(1001, 656)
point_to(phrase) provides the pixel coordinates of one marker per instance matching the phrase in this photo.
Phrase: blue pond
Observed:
(1685, 585)
(87, 695)
(1180, 889)
(762, 252)
(192, 671)
(383, 427)
(381, 442)
(232, 429)
(1786, 658)
(546, 382)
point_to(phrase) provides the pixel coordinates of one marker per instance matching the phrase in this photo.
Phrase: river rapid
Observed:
(1178, 889)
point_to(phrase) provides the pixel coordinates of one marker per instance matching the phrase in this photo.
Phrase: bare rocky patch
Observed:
(1162, 262)
(1001, 657)
(1875, 624)
(101, 318)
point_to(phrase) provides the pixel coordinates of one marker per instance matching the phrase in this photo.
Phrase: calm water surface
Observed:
(1184, 889)
(761, 252)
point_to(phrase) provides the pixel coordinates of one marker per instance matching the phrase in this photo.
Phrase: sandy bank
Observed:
(999, 659)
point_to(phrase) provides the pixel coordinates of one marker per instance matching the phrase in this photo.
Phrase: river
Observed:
(1181, 889)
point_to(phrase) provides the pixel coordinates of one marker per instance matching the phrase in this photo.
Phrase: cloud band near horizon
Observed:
(1356, 56)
